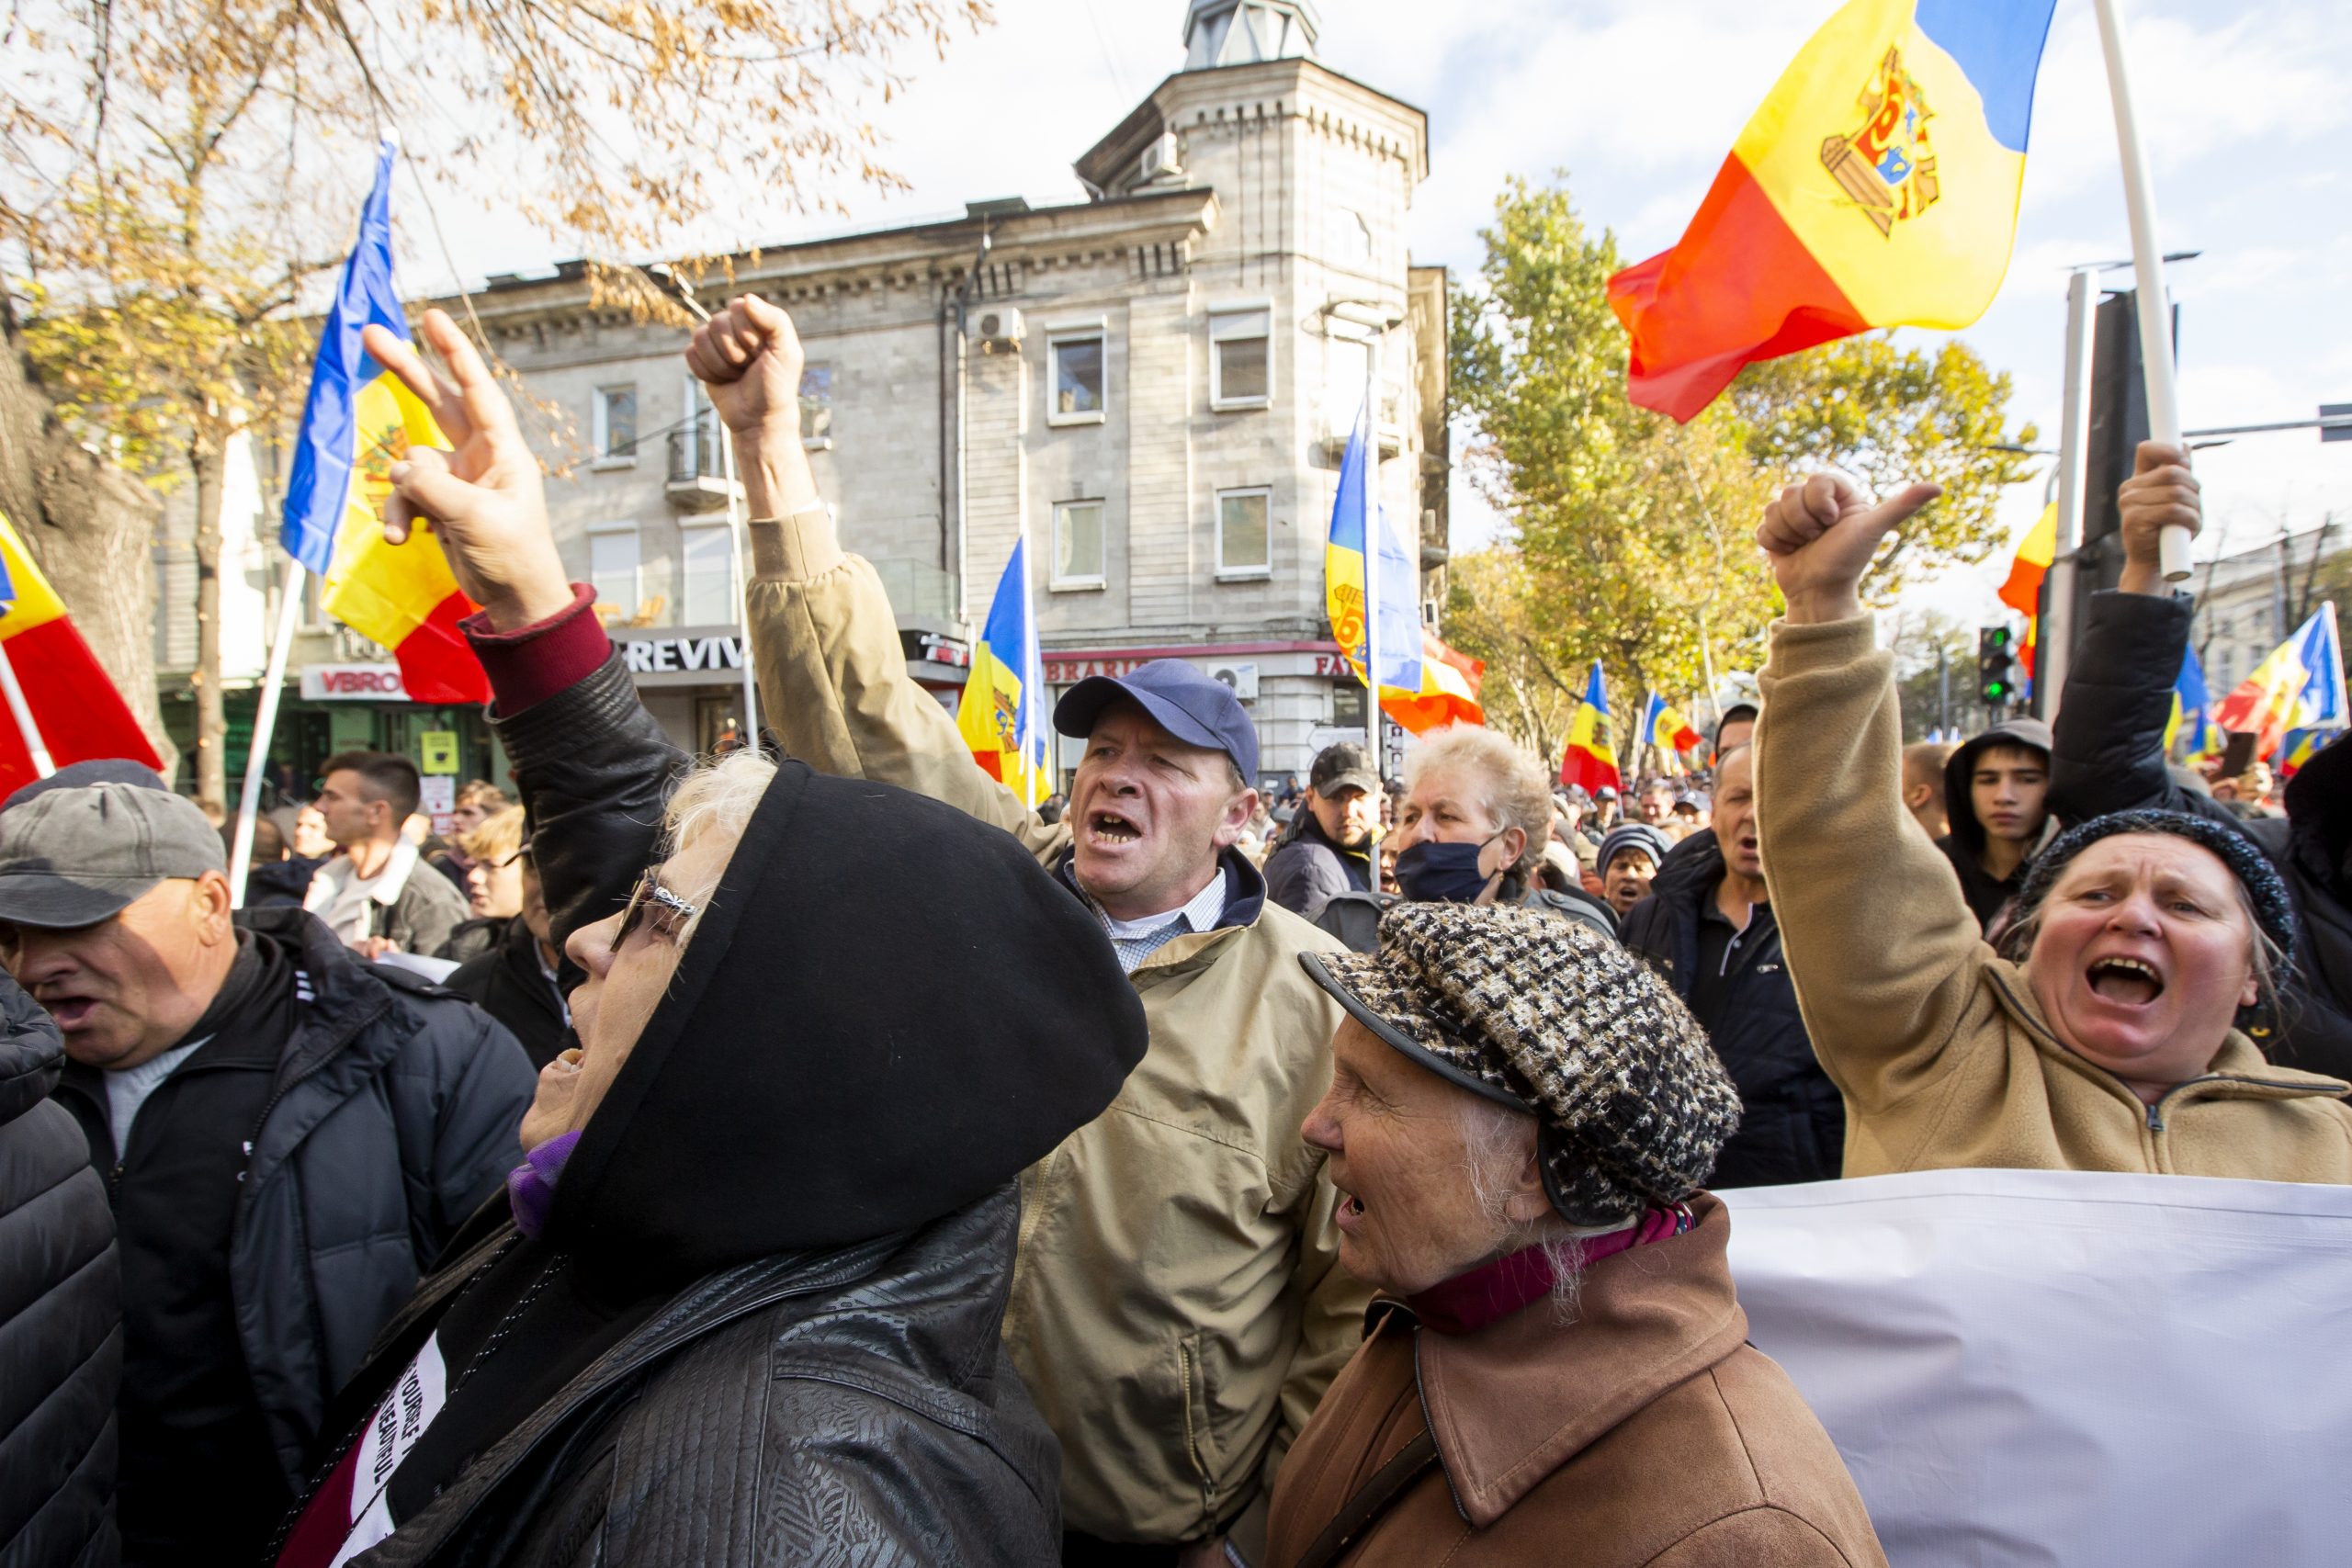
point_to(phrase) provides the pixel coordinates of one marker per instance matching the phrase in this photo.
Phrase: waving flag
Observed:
(1666, 729)
(1591, 760)
(1401, 577)
(2192, 712)
(1449, 690)
(357, 423)
(2022, 592)
(73, 705)
(1003, 712)
(1876, 186)
(2300, 686)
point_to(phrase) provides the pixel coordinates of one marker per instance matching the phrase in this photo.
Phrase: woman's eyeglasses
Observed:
(670, 912)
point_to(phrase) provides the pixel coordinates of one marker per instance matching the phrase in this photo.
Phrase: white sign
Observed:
(2066, 1368)
(437, 798)
(352, 683)
(674, 655)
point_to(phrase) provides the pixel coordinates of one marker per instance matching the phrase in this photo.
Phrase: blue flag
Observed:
(1343, 574)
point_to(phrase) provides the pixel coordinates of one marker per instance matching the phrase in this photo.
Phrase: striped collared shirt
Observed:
(1135, 940)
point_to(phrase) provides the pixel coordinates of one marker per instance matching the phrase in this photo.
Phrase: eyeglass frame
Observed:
(650, 890)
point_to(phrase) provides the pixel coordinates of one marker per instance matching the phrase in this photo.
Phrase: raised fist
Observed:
(1821, 535)
(750, 360)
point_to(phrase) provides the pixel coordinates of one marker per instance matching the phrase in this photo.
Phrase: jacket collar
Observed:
(1517, 1400)
(1245, 901)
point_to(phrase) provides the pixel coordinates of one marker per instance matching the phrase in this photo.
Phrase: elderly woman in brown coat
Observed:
(1556, 1369)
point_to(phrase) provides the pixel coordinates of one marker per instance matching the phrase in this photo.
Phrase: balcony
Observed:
(697, 477)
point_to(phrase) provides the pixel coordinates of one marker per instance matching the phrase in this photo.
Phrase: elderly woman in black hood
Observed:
(743, 1305)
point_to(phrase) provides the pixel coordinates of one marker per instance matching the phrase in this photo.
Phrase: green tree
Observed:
(1630, 537)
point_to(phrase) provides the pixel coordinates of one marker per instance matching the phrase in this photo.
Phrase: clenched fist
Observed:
(748, 357)
(2161, 493)
(1821, 535)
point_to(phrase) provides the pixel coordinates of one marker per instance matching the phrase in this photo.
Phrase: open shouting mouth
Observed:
(1111, 828)
(2129, 982)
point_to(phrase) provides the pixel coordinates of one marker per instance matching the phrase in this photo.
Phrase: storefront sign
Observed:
(678, 655)
(352, 683)
(1068, 671)
(438, 750)
(934, 648)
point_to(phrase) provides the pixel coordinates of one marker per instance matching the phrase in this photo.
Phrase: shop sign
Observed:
(439, 751)
(669, 655)
(1068, 671)
(934, 648)
(352, 683)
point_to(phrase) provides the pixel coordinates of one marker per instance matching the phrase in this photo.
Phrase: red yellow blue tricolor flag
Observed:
(2300, 686)
(1002, 714)
(1343, 581)
(1666, 729)
(2192, 712)
(75, 709)
(1448, 693)
(1591, 758)
(357, 423)
(1875, 186)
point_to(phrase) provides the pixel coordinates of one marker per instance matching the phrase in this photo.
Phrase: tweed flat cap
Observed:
(1551, 1019)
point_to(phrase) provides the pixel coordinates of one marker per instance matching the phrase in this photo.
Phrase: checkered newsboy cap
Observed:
(1551, 1019)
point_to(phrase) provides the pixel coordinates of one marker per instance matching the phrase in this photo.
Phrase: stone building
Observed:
(2250, 601)
(1155, 383)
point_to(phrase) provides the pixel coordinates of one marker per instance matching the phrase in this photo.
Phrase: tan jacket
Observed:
(1936, 1043)
(1644, 1431)
(1178, 1306)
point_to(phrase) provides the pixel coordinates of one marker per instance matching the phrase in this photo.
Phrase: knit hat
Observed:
(2266, 890)
(1632, 836)
(1551, 1019)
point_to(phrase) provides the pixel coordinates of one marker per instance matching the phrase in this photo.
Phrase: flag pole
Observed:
(738, 548)
(273, 684)
(1032, 679)
(2156, 316)
(1374, 537)
(22, 712)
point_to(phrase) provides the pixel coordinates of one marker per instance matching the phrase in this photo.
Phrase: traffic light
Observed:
(1996, 679)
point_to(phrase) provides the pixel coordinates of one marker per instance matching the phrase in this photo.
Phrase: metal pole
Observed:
(1372, 539)
(1943, 689)
(273, 682)
(22, 711)
(2156, 319)
(2056, 641)
(739, 545)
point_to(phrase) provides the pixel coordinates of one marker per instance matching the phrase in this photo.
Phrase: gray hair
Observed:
(1495, 1138)
(1513, 787)
(716, 795)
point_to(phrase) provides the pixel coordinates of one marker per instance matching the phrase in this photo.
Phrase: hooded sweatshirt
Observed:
(835, 1061)
(1964, 845)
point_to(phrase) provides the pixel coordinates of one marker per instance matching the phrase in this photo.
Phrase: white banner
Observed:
(2067, 1369)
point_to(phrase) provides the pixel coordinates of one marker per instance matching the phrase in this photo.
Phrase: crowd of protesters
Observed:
(813, 1153)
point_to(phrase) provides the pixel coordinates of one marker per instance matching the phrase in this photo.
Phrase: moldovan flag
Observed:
(1343, 595)
(1876, 186)
(2022, 592)
(2300, 686)
(2192, 712)
(73, 702)
(1004, 711)
(1449, 691)
(1666, 729)
(357, 423)
(1591, 760)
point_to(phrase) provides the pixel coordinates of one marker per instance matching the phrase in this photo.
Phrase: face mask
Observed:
(1431, 873)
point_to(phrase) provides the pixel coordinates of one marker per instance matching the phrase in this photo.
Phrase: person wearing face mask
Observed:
(1236, 1312)
(1475, 816)
(2101, 1035)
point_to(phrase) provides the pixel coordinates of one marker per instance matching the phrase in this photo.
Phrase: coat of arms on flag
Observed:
(1887, 166)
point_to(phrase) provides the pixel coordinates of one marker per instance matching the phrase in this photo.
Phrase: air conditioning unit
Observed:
(998, 330)
(1160, 159)
(1242, 678)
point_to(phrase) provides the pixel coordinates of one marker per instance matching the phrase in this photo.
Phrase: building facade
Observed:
(2249, 602)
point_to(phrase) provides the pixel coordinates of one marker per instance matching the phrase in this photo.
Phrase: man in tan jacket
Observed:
(2100, 1037)
(1178, 1309)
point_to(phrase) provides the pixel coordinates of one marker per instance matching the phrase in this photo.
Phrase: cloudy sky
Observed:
(2245, 108)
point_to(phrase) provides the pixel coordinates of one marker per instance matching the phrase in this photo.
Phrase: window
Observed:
(706, 575)
(613, 572)
(613, 426)
(1074, 384)
(1239, 369)
(1347, 704)
(817, 405)
(1244, 542)
(1077, 544)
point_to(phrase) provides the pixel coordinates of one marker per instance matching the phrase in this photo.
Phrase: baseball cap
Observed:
(1343, 766)
(1606, 792)
(75, 856)
(1696, 799)
(98, 770)
(1193, 707)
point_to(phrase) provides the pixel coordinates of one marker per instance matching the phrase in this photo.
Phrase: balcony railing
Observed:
(698, 480)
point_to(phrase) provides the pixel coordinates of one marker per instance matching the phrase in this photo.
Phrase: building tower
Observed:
(1243, 32)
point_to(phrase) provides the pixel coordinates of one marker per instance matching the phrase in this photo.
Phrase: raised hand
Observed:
(484, 498)
(2161, 493)
(750, 358)
(1821, 535)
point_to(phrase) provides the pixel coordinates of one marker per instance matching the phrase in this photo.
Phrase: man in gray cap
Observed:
(1328, 849)
(290, 1135)
(1178, 1309)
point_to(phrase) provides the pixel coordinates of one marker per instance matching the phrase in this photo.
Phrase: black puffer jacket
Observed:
(1308, 870)
(507, 983)
(60, 1313)
(1793, 1120)
(844, 1398)
(2109, 756)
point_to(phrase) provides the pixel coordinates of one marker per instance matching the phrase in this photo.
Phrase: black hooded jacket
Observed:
(1307, 869)
(2108, 755)
(1964, 845)
(61, 1313)
(507, 983)
(1792, 1117)
(761, 1322)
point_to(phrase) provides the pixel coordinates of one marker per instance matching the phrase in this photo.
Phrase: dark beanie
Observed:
(887, 1011)
(2266, 890)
